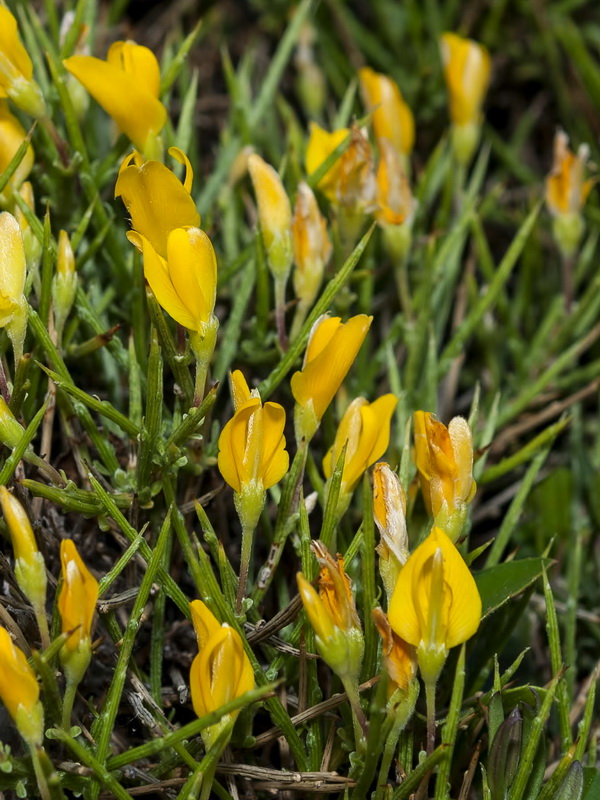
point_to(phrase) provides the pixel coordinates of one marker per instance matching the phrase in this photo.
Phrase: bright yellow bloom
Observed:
(365, 432)
(399, 657)
(127, 86)
(221, 671)
(312, 250)
(275, 215)
(30, 569)
(13, 304)
(332, 614)
(444, 458)
(16, 69)
(350, 182)
(252, 454)
(331, 349)
(185, 282)
(76, 601)
(436, 604)
(392, 118)
(157, 201)
(20, 692)
(12, 136)
(389, 511)
(467, 67)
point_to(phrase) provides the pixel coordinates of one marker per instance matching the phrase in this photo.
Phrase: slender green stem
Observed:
(39, 773)
(246, 553)
(280, 284)
(203, 348)
(359, 721)
(403, 712)
(68, 700)
(430, 701)
(42, 620)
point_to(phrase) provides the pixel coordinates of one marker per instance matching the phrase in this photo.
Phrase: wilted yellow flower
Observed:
(76, 601)
(30, 569)
(350, 182)
(127, 86)
(467, 67)
(567, 191)
(331, 349)
(399, 657)
(436, 603)
(444, 458)
(332, 614)
(64, 282)
(13, 304)
(312, 250)
(395, 202)
(16, 69)
(275, 215)
(221, 671)
(157, 201)
(12, 136)
(365, 432)
(392, 118)
(20, 692)
(389, 511)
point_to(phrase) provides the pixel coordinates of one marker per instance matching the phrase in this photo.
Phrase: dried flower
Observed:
(389, 511)
(399, 657)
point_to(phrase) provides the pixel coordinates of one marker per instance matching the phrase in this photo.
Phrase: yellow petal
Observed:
(204, 621)
(12, 136)
(192, 266)
(462, 446)
(392, 118)
(157, 202)
(228, 460)
(275, 458)
(178, 154)
(19, 527)
(138, 62)
(18, 685)
(157, 275)
(12, 47)
(321, 145)
(12, 258)
(239, 388)
(135, 110)
(315, 609)
(78, 596)
(273, 203)
(467, 67)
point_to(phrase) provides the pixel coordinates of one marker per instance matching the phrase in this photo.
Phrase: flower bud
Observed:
(13, 304)
(64, 283)
(11, 431)
(19, 691)
(389, 510)
(76, 604)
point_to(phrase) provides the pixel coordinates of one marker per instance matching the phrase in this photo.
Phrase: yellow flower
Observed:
(127, 86)
(13, 304)
(444, 458)
(312, 250)
(467, 67)
(399, 657)
(567, 191)
(389, 511)
(331, 349)
(20, 692)
(30, 569)
(76, 601)
(275, 215)
(185, 282)
(395, 202)
(221, 671)
(332, 614)
(16, 69)
(436, 604)
(12, 136)
(365, 432)
(156, 199)
(350, 182)
(252, 454)
(392, 118)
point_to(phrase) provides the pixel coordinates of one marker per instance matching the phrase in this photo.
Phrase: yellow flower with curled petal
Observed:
(364, 431)
(30, 568)
(332, 614)
(392, 118)
(157, 201)
(389, 512)
(221, 671)
(566, 193)
(127, 86)
(444, 459)
(331, 349)
(12, 136)
(16, 69)
(467, 68)
(436, 604)
(13, 304)
(20, 691)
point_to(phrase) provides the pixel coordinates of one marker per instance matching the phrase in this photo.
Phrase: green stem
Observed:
(39, 773)
(403, 713)
(247, 542)
(359, 721)
(42, 620)
(430, 700)
(280, 284)
(203, 348)
(68, 700)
